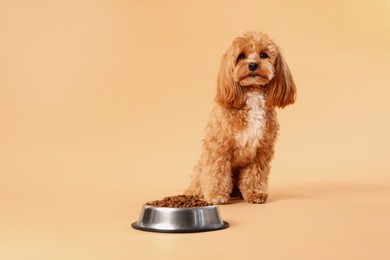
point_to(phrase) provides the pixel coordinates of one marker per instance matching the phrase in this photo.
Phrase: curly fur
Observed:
(242, 130)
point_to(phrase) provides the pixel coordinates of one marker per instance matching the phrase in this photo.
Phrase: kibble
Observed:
(180, 201)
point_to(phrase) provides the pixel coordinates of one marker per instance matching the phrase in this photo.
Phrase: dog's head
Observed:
(254, 61)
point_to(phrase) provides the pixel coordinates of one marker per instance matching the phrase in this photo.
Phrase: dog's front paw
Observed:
(256, 197)
(218, 199)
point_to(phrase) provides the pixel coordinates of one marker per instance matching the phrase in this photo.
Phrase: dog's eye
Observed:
(263, 55)
(241, 56)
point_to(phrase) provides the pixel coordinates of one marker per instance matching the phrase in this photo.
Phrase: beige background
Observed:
(103, 105)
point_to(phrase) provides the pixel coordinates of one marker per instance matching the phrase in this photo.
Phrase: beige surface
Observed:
(103, 104)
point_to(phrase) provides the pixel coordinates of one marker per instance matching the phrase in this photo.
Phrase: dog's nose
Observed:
(253, 66)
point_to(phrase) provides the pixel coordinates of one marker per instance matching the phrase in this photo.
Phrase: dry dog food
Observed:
(180, 201)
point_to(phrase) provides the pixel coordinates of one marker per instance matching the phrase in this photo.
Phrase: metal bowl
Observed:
(179, 220)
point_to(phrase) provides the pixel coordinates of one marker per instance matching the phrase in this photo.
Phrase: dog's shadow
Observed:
(317, 190)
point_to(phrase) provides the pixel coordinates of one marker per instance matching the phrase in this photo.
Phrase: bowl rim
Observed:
(180, 208)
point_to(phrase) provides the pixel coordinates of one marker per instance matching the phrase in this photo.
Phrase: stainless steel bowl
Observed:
(179, 220)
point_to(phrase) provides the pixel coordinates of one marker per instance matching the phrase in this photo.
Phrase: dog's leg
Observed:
(253, 180)
(217, 181)
(253, 183)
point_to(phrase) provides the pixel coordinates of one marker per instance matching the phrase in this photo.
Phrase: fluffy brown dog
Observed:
(240, 135)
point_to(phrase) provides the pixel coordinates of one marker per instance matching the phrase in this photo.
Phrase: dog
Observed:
(253, 81)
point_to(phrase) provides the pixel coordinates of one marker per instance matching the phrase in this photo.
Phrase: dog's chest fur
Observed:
(248, 138)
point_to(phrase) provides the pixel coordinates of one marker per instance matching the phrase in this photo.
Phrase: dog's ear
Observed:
(282, 90)
(229, 92)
